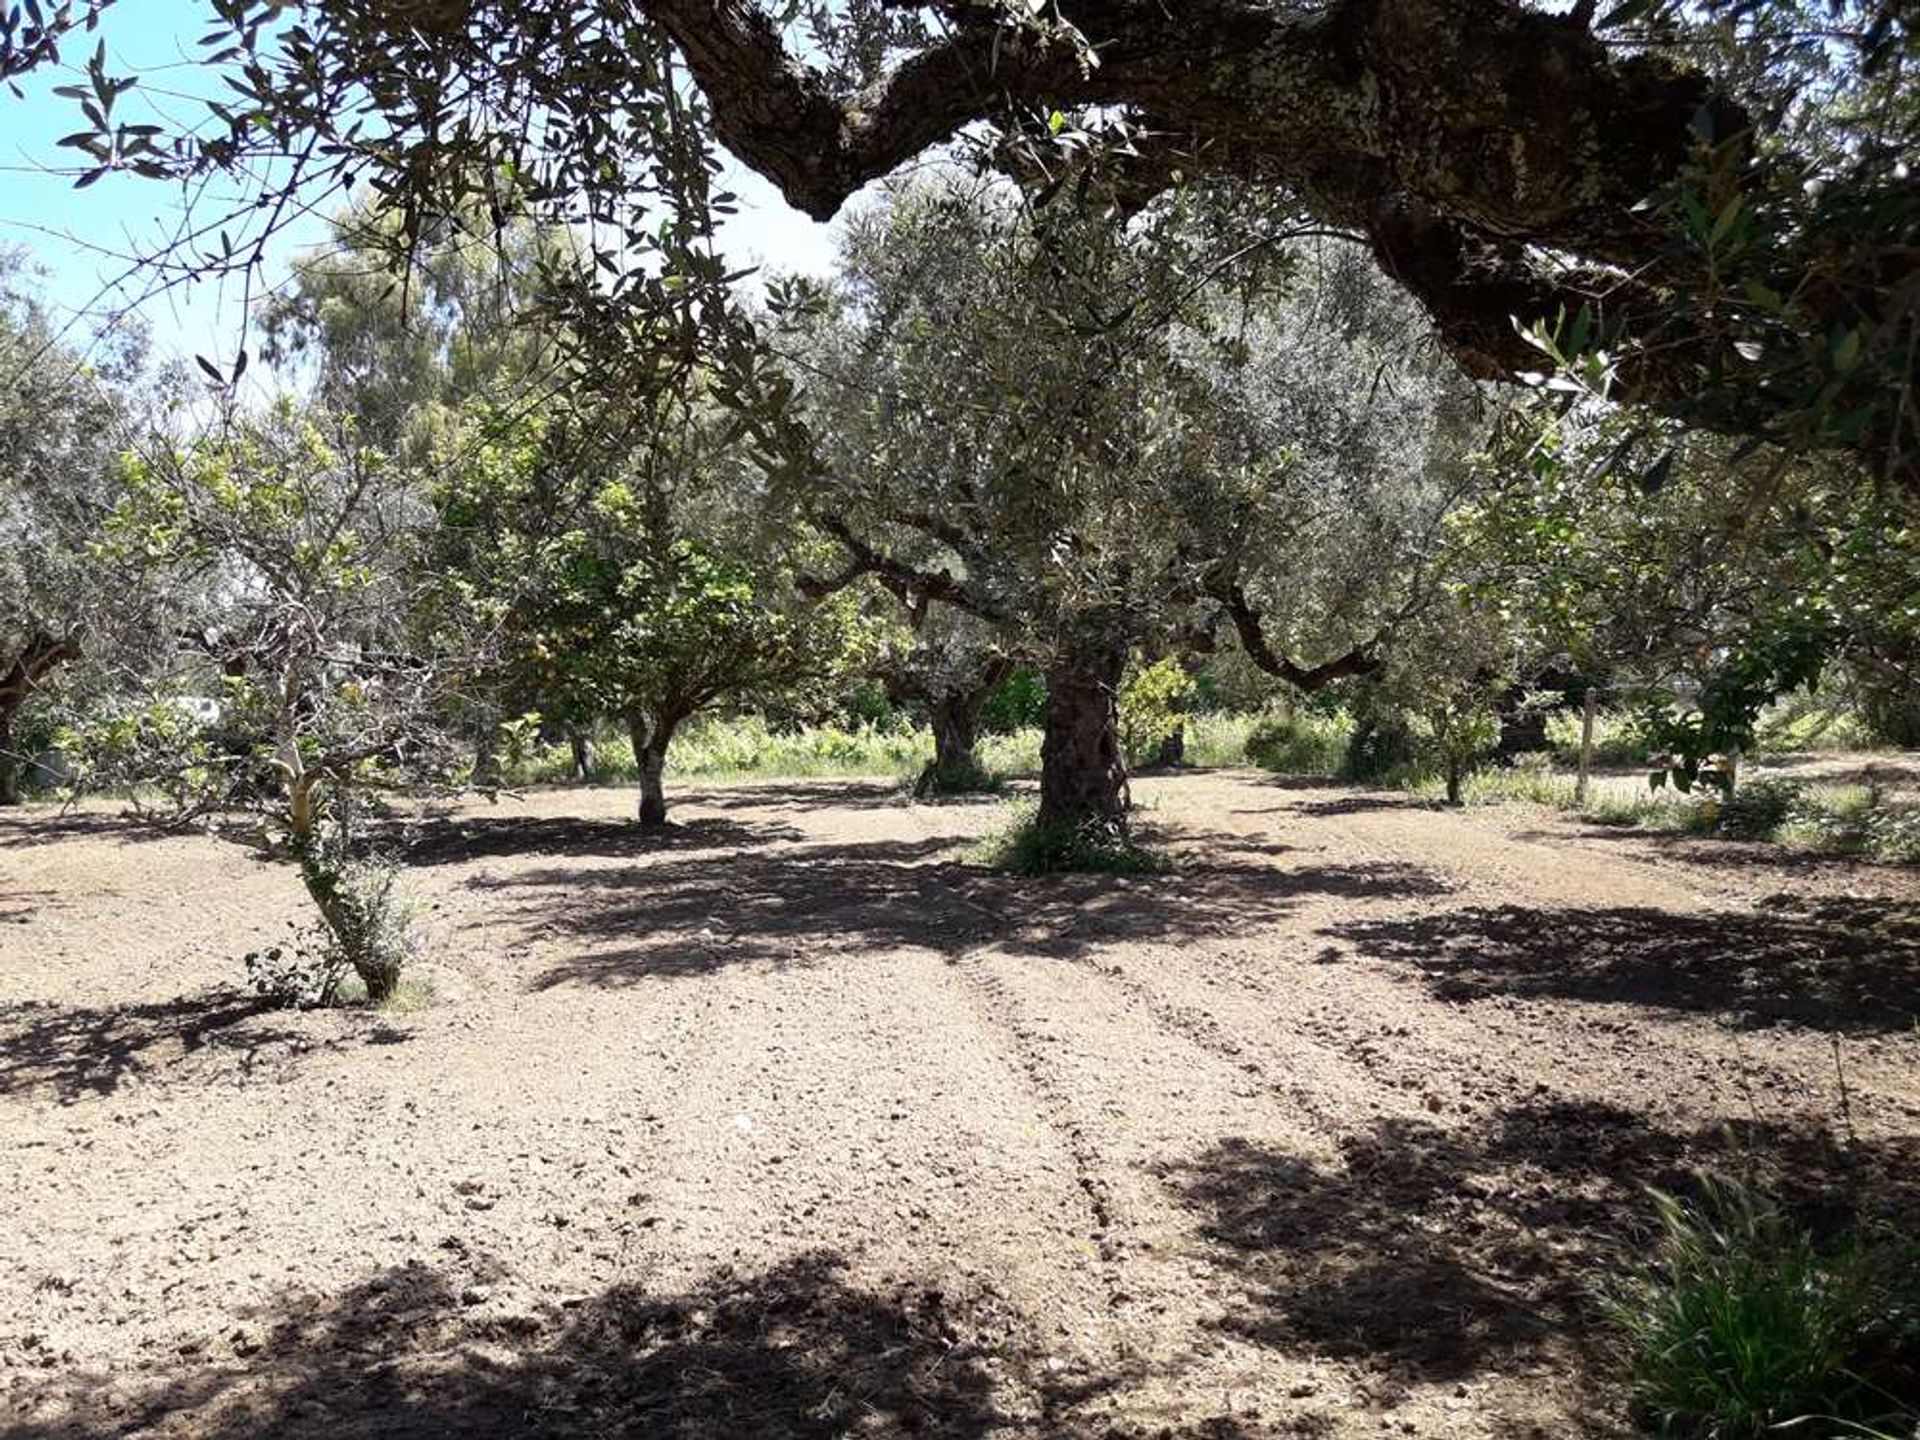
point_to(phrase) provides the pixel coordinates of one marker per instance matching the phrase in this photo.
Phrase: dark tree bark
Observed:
(30, 665)
(1461, 140)
(581, 744)
(1173, 750)
(9, 762)
(1083, 779)
(955, 719)
(650, 741)
(953, 714)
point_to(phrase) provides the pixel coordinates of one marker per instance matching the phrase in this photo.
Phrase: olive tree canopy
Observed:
(1706, 207)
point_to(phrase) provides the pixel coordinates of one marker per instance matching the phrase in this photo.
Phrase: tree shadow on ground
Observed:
(1276, 780)
(1831, 963)
(456, 840)
(796, 795)
(678, 917)
(1362, 804)
(26, 827)
(1453, 1252)
(795, 1352)
(78, 1052)
(1723, 852)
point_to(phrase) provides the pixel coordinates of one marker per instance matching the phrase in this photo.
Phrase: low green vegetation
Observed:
(1028, 847)
(1863, 820)
(1741, 1325)
(1300, 742)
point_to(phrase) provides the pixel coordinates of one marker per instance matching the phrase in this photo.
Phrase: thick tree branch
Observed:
(1362, 659)
(910, 584)
(41, 654)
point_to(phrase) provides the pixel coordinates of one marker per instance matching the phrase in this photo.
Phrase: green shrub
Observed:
(1384, 749)
(1300, 742)
(1739, 1324)
(366, 931)
(1755, 810)
(368, 926)
(1153, 705)
(1019, 704)
(1026, 847)
(302, 974)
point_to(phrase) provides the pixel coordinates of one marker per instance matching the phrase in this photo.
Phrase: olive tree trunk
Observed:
(1083, 780)
(650, 741)
(955, 718)
(9, 762)
(581, 743)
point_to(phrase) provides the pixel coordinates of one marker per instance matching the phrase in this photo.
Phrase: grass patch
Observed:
(1015, 753)
(1862, 820)
(413, 994)
(1219, 737)
(1813, 722)
(1300, 742)
(1026, 847)
(1740, 1324)
(743, 748)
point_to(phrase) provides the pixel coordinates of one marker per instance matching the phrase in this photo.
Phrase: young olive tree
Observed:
(306, 543)
(620, 561)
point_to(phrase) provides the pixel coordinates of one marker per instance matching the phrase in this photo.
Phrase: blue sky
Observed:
(83, 240)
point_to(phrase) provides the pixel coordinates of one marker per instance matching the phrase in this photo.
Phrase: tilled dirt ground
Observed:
(792, 1121)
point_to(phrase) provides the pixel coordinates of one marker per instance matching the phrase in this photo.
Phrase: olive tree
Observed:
(63, 412)
(621, 562)
(307, 542)
(1091, 436)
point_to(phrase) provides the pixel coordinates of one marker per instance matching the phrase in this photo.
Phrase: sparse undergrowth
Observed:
(1741, 1325)
(1859, 820)
(357, 953)
(1026, 847)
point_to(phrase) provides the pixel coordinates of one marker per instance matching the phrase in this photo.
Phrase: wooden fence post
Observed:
(1581, 785)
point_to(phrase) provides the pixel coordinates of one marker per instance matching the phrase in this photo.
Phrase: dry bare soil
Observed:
(794, 1121)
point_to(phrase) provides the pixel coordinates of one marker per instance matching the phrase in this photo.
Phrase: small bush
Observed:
(1296, 742)
(1028, 848)
(1385, 750)
(1740, 1324)
(1153, 705)
(1753, 812)
(303, 974)
(368, 924)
